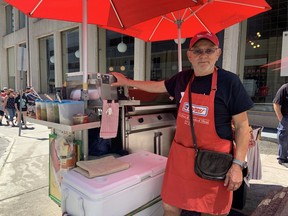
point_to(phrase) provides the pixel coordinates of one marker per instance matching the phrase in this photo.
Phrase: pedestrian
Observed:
(23, 101)
(10, 107)
(280, 105)
(3, 91)
(221, 97)
(2, 96)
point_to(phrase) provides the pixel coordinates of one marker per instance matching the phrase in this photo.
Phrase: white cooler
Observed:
(134, 191)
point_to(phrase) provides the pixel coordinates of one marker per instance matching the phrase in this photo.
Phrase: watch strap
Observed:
(242, 164)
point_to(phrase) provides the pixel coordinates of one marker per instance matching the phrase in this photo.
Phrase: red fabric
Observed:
(206, 15)
(212, 16)
(181, 186)
(100, 12)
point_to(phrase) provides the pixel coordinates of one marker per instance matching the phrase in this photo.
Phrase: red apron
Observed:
(181, 186)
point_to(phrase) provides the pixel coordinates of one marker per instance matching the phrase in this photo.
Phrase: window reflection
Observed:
(70, 51)
(9, 19)
(120, 53)
(47, 65)
(11, 67)
(264, 47)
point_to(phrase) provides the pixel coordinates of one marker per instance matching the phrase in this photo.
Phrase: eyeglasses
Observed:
(208, 51)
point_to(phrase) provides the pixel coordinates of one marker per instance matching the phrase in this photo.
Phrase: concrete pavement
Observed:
(24, 173)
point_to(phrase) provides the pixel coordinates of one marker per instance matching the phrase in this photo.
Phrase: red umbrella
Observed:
(110, 13)
(113, 13)
(212, 16)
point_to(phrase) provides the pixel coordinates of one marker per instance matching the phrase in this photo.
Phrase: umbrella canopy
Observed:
(113, 13)
(110, 13)
(211, 15)
(116, 14)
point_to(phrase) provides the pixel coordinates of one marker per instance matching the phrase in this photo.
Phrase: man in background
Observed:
(280, 105)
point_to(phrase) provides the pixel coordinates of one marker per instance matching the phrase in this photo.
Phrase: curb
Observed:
(6, 153)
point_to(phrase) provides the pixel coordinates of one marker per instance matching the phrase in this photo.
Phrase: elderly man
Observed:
(225, 101)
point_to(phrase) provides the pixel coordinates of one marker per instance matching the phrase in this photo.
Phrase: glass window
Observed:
(70, 51)
(120, 53)
(164, 57)
(265, 48)
(47, 67)
(9, 19)
(11, 67)
(22, 20)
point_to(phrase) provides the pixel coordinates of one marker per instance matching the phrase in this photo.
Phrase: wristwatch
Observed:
(242, 164)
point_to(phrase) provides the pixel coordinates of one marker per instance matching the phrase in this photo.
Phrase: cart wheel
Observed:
(65, 214)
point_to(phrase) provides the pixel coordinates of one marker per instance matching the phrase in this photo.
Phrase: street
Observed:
(24, 173)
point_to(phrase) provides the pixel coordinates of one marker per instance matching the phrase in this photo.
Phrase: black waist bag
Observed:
(212, 165)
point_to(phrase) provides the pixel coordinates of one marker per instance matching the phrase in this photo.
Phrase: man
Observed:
(280, 105)
(2, 96)
(23, 101)
(224, 98)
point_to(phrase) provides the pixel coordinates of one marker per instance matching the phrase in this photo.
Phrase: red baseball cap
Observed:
(204, 35)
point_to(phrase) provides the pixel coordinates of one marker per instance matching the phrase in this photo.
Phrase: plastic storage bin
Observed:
(52, 111)
(69, 108)
(43, 110)
(38, 109)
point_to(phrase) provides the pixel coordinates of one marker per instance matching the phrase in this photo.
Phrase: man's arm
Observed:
(148, 86)
(277, 109)
(242, 135)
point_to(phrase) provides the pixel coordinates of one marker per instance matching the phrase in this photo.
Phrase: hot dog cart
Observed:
(146, 124)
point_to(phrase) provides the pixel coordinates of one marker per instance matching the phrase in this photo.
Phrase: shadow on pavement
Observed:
(36, 138)
(255, 194)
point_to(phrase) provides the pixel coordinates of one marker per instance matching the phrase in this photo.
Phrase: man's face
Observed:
(203, 56)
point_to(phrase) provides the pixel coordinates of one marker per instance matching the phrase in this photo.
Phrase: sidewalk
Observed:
(24, 173)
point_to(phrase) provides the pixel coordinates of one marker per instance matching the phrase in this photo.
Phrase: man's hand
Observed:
(234, 178)
(121, 79)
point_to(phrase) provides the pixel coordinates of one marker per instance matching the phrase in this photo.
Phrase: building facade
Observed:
(256, 50)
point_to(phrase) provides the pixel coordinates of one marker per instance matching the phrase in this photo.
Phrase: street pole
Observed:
(29, 79)
(21, 89)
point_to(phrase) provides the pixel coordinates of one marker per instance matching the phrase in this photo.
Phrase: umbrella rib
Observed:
(36, 7)
(116, 13)
(193, 13)
(243, 4)
(165, 17)
(156, 27)
(202, 23)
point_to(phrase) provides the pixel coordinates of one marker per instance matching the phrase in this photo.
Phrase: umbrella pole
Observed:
(179, 46)
(85, 44)
(85, 70)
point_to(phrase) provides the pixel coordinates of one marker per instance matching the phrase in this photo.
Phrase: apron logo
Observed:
(196, 109)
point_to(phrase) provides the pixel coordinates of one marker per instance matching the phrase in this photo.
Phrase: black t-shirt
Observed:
(281, 98)
(24, 102)
(231, 97)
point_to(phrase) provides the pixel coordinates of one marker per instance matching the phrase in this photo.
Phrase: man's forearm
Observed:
(242, 136)
(277, 109)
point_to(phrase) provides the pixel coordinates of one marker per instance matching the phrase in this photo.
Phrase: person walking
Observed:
(280, 105)
(2, 97)
(10, 107)
(23, 101)
(218, 98)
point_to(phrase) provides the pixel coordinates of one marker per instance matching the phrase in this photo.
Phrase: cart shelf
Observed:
(61, 127)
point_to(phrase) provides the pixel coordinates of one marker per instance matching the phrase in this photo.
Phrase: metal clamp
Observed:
(157, 142)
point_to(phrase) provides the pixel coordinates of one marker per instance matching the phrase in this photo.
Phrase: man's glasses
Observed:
(198, 52)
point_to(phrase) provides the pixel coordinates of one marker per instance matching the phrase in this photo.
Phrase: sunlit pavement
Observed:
(24, 173)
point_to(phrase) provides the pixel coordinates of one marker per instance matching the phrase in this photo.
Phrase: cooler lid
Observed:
(143, 165)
